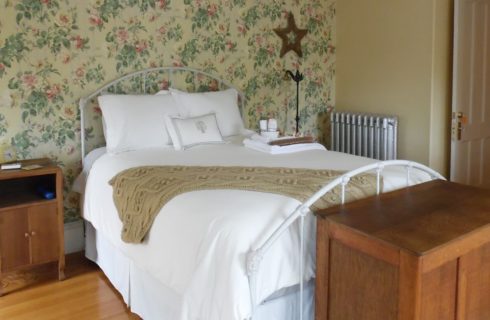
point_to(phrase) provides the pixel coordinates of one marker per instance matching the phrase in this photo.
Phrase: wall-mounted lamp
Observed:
(297, 77)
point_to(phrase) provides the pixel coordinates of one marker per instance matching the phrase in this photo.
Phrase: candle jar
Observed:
(272, 125)
(263, 125)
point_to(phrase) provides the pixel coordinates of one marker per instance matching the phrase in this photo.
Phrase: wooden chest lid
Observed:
(418, 218)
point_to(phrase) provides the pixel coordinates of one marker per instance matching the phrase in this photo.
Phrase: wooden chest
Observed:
(418, 253)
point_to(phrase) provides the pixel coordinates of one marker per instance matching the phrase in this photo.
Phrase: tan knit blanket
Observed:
(139, 193)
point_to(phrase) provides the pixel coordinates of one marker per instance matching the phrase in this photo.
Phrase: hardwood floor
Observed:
(85, 294)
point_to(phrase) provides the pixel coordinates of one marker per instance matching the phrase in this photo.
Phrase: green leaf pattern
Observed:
(53, 52)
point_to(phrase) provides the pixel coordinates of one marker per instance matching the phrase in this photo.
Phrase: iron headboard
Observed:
(168, 74)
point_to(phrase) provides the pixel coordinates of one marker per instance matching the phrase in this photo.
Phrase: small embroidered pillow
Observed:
(192, 131)
(223, 103)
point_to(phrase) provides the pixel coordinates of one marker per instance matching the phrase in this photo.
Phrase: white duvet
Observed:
(198, 242)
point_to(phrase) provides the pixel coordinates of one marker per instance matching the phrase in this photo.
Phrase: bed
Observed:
(215, 254)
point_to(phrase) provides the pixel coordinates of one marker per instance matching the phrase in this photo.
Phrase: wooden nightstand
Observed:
(31, 227)
(421, 252)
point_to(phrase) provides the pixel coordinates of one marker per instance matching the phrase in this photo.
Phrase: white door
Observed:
(470, 141)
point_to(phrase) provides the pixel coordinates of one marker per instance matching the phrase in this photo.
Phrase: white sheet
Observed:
(199, 240)
(90, 158)
(150, 299)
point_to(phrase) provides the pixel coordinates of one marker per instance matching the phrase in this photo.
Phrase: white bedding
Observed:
(198, 242)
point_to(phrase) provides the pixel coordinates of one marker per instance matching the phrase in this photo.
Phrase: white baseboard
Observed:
(74, 239)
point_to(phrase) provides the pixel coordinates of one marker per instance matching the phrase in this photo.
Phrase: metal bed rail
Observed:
(255, 256)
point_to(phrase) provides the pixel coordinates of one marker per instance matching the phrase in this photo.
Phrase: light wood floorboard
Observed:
(85, 294)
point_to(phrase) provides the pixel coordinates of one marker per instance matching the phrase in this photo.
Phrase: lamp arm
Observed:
(297, 78)
(297, 107)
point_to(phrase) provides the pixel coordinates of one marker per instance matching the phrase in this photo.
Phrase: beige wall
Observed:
(393, 57)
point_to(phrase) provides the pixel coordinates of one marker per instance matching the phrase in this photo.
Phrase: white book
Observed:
(11, 166)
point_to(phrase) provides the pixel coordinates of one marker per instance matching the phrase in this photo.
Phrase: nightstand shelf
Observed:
(22, 200)
(31, 227)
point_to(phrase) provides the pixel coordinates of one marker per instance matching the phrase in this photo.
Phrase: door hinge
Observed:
(457, 123)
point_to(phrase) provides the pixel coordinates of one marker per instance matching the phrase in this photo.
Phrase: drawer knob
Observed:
(26, 235)
(33, 233)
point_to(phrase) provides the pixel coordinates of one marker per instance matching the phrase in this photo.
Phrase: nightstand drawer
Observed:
(14, 240)
(28, 236)
(43, 233)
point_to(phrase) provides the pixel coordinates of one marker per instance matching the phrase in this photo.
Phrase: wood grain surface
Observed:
(85, 294)
(419, 253)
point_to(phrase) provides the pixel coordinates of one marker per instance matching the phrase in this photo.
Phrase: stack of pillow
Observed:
(177, 118)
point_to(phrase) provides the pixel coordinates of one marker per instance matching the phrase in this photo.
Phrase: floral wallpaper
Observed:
(53, 52)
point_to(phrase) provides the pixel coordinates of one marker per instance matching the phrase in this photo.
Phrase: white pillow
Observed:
(223, 103)
(188, 132)
(136, 121)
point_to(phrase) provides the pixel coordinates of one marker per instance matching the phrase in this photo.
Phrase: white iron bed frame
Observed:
(255, 256)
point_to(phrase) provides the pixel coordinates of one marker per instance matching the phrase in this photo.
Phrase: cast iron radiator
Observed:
(364, 134)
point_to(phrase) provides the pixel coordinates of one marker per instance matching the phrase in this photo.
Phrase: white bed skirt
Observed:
(150, 299)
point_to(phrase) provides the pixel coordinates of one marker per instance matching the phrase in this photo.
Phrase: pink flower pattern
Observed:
(29, 80)
(61, 50)
(53, 91)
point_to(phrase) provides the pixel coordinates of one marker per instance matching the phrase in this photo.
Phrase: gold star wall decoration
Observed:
(291, 37)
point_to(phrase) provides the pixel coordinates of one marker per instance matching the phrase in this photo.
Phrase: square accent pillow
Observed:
(189, 132)
(223, 103)
(135, 122)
